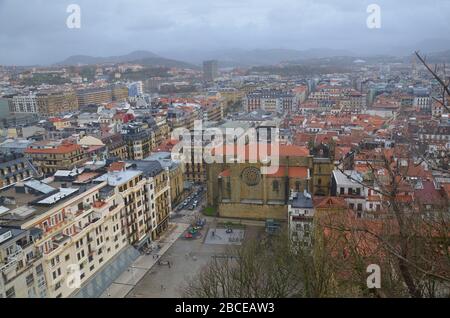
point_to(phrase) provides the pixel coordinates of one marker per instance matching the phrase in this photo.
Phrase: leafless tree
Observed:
(445, 83)
(413, 238)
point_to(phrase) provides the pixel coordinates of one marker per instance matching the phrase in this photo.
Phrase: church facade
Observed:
(240, 190)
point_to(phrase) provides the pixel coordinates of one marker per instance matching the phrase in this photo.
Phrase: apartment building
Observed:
(135, 89)
(54, 103)
(269, 100)
(16, 170)
(157, 195)
(140, 140)
(349, 186)
(162, 130)
(119, 93)
(14, 146)
(210, 70)
(422, 103)
(301, 215)
(22, 272)
(130, 186)
(23, 104)
(212, 112)
(50, 156)
(78, 230)
(183, 116)
(96, 96)
(116, 146)
(79, 226)
(176, 174)
(49, 103)
(194, 163)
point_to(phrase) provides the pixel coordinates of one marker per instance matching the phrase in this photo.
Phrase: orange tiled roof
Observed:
(293, 172)
(331, 202)
(116, 166)
(60, 149)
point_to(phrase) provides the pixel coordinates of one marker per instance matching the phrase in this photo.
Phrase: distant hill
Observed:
(248, 58)
(142, 57)
(256, 57)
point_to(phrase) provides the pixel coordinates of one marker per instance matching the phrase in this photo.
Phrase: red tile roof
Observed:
(331, 202)
(117, 166)
(60, 149)
(293, 172)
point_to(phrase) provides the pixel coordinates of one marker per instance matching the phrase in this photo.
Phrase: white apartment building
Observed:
(63, 233)
(350, 188)
(422, 102)
(129, 187)
(301, 214)
(22, 104)
(21, 271)
(80, 235)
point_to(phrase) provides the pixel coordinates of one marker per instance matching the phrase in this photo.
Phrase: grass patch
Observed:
(209, 211)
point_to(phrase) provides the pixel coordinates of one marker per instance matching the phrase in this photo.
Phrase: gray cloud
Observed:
(34, 31)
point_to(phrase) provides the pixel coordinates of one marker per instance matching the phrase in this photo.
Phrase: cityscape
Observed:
(239, 169)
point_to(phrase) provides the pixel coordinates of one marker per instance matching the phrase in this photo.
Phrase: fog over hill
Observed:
(34, 32)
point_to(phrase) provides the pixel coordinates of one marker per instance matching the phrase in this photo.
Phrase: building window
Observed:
(30, 279)
(306, 229)
(11, 293)
(275, 186)
(39, 269)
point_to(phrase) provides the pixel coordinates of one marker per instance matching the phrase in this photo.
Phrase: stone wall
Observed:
(253, 211)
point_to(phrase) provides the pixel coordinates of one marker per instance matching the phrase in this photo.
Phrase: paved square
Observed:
(220, 236)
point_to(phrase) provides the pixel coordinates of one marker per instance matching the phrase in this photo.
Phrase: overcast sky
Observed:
(35, 31)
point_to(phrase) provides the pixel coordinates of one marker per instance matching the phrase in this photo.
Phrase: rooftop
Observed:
(52, 147)
(117, 178)
(25, 200)
(150, 168)
(301, 200)
(343, 179)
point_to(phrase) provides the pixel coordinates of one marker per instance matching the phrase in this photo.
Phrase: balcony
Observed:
(98, 204)
(11, 261)
(112, 207)
(60, 239)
